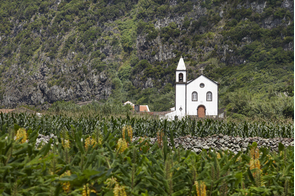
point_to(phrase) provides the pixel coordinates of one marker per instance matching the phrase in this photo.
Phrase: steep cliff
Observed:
(128, 50)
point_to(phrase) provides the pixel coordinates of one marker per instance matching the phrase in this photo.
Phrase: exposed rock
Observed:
(149, 83)
(256, 7)
(103, 77)
(206, 147)
(270, 22)
(288, 4)
(35, 90)
(55, 93)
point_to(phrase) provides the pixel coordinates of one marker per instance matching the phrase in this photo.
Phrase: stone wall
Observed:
(224, 142)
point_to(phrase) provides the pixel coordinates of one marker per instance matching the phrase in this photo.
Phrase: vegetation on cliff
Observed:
(128, 50)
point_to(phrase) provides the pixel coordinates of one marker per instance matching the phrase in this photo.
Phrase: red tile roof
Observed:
(144, 108)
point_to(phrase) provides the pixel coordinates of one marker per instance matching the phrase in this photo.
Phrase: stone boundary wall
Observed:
(217, 142)
(224, 142)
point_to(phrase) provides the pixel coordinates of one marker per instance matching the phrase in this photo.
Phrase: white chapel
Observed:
(198, 97)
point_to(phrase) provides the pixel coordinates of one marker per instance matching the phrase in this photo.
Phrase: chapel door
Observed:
(201, 111)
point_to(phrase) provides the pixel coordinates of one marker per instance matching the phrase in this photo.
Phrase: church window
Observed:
(202, 85)
(209, 96)
(180, 77)
(194, 96)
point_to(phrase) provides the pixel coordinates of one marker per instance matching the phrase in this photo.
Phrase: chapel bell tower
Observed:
(180, 88)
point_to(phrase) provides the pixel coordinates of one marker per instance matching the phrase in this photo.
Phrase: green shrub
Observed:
(288, 112)
(124, 72)
(280, 13)
(97, 64)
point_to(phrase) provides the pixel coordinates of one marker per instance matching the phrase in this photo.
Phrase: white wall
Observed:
(180, 99)
(211, 106)
(171, 116)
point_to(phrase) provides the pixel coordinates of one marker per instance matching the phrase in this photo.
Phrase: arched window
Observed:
(194, 96)
(209, 96)
(180, 77)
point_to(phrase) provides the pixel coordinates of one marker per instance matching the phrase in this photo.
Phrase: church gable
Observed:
(202, 97)
(201, 89)
(203, 78)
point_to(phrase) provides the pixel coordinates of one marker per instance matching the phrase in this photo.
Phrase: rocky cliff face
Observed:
(37, 89)
(47, 58)
(155, 50)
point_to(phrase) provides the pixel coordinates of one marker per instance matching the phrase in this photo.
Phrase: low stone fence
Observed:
(224, 142)
(217, 142)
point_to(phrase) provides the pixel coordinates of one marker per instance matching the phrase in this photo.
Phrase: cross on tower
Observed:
(202, 69)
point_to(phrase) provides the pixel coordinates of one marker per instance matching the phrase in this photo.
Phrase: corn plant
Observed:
(147, 127)
(92, 159)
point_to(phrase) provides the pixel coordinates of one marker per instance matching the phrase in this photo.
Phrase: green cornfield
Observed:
(148, 127)
(96, 156)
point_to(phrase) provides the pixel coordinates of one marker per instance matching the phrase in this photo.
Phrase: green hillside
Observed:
(119, 50)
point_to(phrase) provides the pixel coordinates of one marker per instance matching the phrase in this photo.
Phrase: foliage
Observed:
(69, 108)
(128, 37)
(141, 169)
(170, 31)
(88, 123)
(252, 54)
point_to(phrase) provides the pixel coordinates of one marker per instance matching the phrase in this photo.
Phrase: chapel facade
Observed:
(198, 97)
